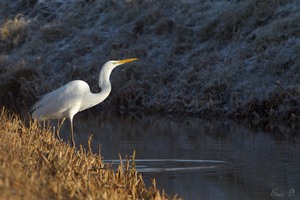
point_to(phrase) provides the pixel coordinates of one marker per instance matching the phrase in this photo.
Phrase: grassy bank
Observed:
(236, 59)
(34, 165)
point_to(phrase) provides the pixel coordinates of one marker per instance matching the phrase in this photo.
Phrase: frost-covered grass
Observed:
(229, 58)
(35, 165)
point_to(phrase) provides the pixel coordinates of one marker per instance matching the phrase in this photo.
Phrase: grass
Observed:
(13, 32)
(34, 165)
(198, 57)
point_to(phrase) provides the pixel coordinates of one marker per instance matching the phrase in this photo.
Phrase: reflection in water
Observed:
(258, 165)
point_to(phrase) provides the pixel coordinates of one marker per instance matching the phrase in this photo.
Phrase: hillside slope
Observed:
(208, 57)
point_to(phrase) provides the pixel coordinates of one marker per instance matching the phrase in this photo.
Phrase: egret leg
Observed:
(59, 125)
(44, 125)
(72, 134)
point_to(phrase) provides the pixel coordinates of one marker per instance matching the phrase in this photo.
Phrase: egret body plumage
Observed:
(74, 97)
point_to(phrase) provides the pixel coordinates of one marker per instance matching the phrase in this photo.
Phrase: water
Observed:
(199, 159)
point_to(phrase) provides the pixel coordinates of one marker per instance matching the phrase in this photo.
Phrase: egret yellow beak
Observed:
(126, 60)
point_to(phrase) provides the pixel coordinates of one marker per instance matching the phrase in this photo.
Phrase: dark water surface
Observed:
(199, 159)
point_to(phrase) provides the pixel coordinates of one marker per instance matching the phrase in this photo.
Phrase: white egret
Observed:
(74, 97)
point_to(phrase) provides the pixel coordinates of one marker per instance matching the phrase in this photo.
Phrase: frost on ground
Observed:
(205, 57)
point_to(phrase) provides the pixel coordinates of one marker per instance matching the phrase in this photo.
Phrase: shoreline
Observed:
(36, 165)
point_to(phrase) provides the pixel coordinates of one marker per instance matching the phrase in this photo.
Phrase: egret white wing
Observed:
(58, 103)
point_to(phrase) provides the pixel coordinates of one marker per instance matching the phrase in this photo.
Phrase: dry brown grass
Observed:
(13, 32)
(34, 165)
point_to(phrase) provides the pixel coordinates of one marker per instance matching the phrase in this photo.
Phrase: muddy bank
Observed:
(235, 59)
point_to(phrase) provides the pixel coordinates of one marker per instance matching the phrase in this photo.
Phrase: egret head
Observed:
(108, 67)
(121, 62)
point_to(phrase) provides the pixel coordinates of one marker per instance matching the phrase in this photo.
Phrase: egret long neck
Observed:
(104, 82)
(93, 99)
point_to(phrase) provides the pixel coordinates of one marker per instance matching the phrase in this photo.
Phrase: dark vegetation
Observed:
(236, 59)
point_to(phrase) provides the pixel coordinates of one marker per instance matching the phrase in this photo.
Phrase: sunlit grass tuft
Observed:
(34, 165)
(13, 32)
